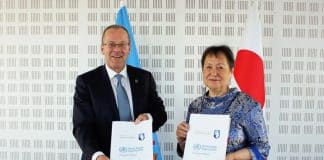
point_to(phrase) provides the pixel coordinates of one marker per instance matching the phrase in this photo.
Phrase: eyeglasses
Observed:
(119, 45)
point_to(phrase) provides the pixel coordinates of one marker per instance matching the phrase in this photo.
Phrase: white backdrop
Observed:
(45, 44)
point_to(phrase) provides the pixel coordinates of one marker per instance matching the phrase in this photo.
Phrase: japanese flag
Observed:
(248, 70)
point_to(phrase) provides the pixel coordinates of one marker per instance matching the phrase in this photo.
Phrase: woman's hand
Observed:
(230, 156)
(182, 131)
(243, 153)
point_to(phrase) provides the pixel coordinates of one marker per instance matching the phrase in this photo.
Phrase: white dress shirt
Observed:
(125, 84)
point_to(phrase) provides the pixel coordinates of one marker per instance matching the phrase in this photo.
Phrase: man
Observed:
(96, 102)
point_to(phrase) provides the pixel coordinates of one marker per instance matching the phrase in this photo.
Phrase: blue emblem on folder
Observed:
(216, 133)
(141, 136)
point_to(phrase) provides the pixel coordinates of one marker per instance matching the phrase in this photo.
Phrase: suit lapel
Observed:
(108, 97)
(134, 81)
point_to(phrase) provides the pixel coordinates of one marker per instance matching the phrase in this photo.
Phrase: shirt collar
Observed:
(112, 73)
(231, 92)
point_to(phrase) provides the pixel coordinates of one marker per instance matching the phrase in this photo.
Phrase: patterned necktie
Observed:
(122, 101)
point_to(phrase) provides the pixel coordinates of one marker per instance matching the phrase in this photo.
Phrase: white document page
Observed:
(207, 137)
(130, 141)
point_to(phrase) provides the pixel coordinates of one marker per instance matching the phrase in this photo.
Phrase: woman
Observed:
(247, 136)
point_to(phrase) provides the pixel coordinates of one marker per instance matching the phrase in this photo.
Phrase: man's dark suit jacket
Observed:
(95, 107)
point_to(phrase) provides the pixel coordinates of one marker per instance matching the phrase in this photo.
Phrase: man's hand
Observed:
(102, 157)
(141, 117)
